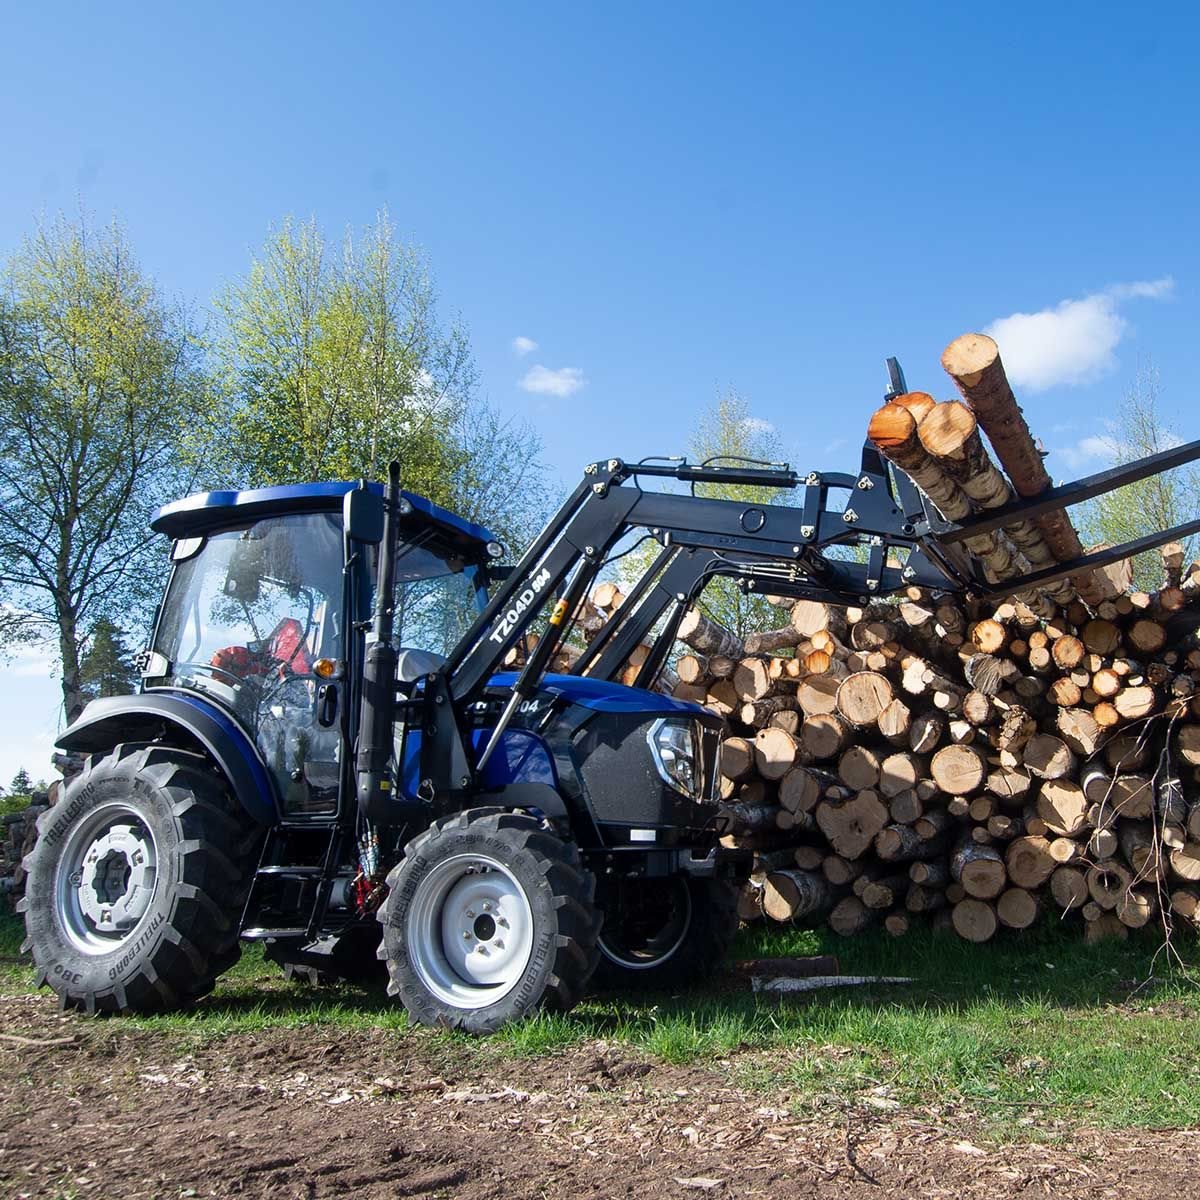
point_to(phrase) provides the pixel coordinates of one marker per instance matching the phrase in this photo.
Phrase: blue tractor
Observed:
(325, 757)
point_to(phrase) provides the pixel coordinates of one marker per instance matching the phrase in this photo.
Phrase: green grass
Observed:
(1028, 1031)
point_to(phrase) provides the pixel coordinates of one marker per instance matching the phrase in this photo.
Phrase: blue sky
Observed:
(667, 200)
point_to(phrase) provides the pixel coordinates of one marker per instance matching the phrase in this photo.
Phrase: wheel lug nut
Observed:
(470, 912)
(466, 935)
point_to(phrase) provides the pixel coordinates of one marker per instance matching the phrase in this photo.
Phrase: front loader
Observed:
(324, 757)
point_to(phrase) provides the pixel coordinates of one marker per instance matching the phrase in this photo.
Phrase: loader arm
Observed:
(771, 547)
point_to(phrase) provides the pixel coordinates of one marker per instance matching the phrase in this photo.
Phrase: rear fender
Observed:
(153, 716)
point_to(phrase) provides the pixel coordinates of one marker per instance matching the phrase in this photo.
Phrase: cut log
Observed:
(1066, 850)
(1107, 882)
(1101, 637)
(906, 807)
(950, 434)
(1068, 886)
(933, 874)
(1062, 805)
(1147, 637)
(898, 773)
(1079, 730)
(775, 752)
(979, 870)
(751, 679)
(1048, 757)
(1008, 783)
(895, 723)
(1067, 652)
(974, 920)
(858, 768)
(926, 732)
(793, 895)
(900, 843)
(1017, 908)
(1185, 862)
(737, 758)
(973, 362)
(958, 770)
(850, 825)
(1029, 862)
(861, 697)
(1135, 702)
(840, 871)
(801, 788)
(894, 432)
(851, 916)
(771, 640)
(692, 668)
(811, 616)
(824, 735)
(817, 695)
(741, 820)
(759, 713)
(707, 637)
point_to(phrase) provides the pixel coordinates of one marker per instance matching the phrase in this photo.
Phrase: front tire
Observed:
(136, 883)
(660, 934)
(489, 917)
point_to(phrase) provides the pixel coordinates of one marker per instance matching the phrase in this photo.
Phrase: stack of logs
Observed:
(923, 757)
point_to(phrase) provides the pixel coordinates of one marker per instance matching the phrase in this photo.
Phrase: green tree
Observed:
(107, 666)
(499, 481)
(1151, 504)
(101, 396)
(334, 362)
(726, 434)
(21, 784)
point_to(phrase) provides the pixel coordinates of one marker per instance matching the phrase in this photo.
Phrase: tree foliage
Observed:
(107, 666)
(726, 433)
(1152, 504)
(101, 393)
(21, 784)
(334, 363)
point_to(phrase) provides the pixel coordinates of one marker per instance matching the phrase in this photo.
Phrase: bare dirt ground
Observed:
(95, 1109)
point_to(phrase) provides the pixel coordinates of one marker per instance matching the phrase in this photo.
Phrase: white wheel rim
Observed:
(106, 878)
(469, 931)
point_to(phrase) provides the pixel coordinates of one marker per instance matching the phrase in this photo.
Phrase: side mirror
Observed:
(362, 516)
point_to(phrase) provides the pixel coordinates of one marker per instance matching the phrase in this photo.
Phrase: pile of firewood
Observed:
(925, 757)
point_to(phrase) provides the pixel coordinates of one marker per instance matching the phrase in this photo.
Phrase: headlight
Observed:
(673, 746)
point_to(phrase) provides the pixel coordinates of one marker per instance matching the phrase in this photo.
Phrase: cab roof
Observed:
(204, 512)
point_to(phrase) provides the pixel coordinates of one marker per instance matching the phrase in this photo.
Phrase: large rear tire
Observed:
(666, 933)
(136, 883)
(489, 917)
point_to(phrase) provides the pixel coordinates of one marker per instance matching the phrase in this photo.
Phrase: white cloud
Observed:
(1100, 450)
(1088, 451)
(757, 425)
(523, 346)
(1072, 343)
(565, 381)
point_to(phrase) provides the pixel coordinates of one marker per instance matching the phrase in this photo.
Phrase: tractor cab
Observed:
(266, 590)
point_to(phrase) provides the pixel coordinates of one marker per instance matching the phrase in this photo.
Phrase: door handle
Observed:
(327, 704)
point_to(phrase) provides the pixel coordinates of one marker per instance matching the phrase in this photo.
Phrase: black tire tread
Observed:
(574, 889)
(217, 859)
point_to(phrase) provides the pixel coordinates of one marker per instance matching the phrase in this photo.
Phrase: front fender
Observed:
(106, 723)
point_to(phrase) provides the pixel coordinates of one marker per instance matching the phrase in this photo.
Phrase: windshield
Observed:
(255, 606)
(436, 599)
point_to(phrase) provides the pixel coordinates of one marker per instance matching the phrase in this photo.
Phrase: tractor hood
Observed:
(601, 695)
